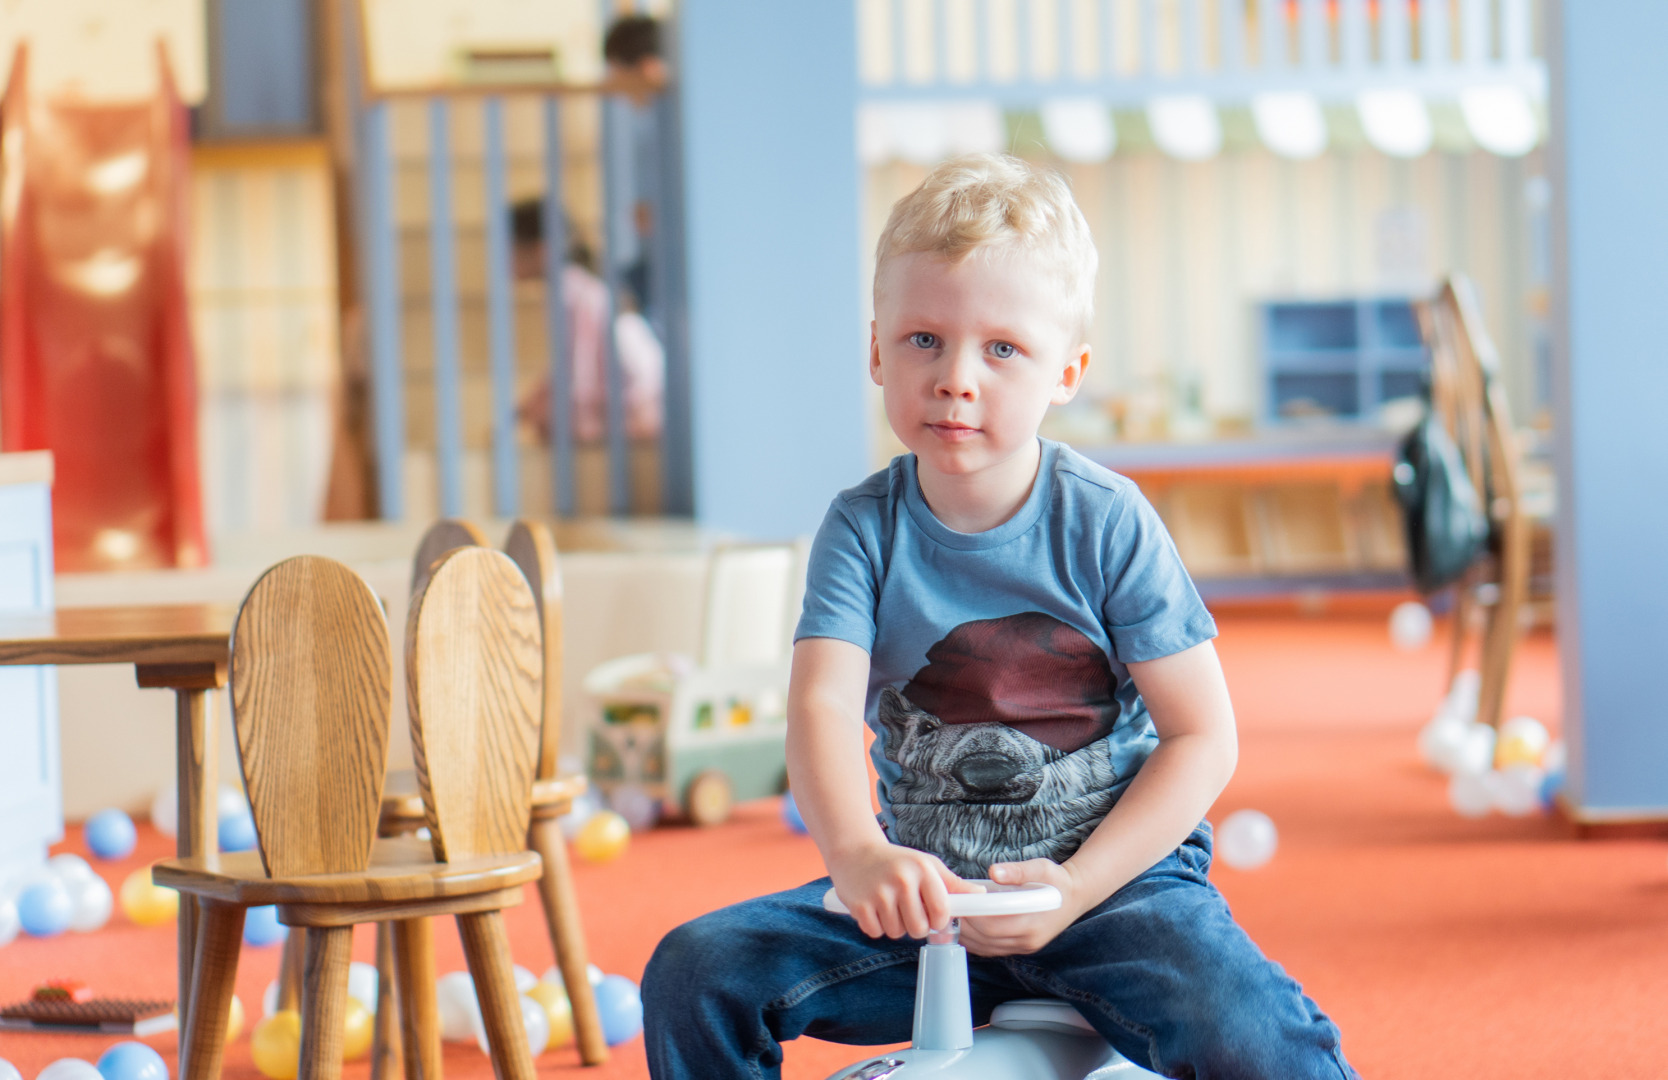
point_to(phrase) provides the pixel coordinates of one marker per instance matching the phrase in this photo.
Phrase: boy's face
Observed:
(970, 355)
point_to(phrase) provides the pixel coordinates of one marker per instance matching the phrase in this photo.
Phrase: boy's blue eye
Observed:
(1003, 351)
(923, 340)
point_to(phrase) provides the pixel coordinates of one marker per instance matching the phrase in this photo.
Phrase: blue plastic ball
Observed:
(1551, 785)
(110, 834)
(790, 814)
(261, 926)
(237, 832)
(132, 1061)
(45, 909)
(620, 1007)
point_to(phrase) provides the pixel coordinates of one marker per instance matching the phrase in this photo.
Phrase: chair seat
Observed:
(402, 802)
(402, 869)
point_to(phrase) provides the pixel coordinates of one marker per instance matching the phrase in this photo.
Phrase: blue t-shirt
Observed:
(1006, 724)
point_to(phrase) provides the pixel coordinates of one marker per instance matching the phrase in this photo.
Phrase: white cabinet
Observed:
(31, 810)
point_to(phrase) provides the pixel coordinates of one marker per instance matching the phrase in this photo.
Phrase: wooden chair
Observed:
(311, 676)
(1467, 396)
(533, 548)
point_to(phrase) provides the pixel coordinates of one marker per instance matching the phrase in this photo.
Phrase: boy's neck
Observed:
(978, 502)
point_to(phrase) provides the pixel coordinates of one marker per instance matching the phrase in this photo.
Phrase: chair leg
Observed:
(487, 948)
(386, 1046)
(219, 934)
(324, 1001)
(289, 969)
(419, 1013)
(561, 916)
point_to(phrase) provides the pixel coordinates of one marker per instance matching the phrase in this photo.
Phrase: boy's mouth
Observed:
(951, 431)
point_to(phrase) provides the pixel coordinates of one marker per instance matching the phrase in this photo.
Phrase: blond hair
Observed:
(987, 202)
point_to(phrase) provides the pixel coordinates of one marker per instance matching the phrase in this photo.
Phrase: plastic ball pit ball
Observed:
(533, 1021)
(790, 814)
(237, 832)
(93, 900)
(455, 998)
(234, 1020)
(9, 926)
(558, 1011)
(620, 1006)
(363, 983)
(358, 1026)
(276, 1045)
(110, 834)
(45, 909)
(70, 1069)
(603, 838)
(132, 1061)
(145, 903)
(8, 1071)
(261, 926)
(1247, 839)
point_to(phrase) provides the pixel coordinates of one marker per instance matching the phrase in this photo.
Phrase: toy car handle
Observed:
(995, 900)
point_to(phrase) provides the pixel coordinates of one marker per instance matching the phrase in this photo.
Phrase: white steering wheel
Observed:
(995, 900)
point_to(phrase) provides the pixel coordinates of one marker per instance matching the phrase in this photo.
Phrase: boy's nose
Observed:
(958, 379)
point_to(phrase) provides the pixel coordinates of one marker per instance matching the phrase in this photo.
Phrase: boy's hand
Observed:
(894, 890)
(1017, 935)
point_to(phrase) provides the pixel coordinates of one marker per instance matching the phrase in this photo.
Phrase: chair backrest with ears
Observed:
(312, 691)
(533, 548)
(438, 539)
(474, 682)
(750, 590)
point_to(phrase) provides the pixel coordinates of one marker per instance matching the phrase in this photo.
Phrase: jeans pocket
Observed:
(1195, 851)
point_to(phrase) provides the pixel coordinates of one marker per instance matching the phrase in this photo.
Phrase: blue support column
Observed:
(380, 280)
(506, 473)
(556, 315)
(777, 344)
(443, 307)
(1610, 388)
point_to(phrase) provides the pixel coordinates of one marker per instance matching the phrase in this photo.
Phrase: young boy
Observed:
(1014, 623)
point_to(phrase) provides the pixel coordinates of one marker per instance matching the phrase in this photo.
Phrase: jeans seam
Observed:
(821, 981)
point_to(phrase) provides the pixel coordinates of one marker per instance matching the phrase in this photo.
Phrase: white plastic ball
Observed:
(165, 811)
(10, 924)
(362, 985)
(1463, 694)
(229, 802)
(8, 1071)
(587, 803)
(1556, 758)
(534, 1020)
(594, 975)
(458, 1007)
(524, 980)
(1471, 794)
(70, 1069)
(1517, 790)
(269, 999)
(93, 900)
(1410, 626)
(1440, 741)
(70, 869)
(1475, 753)
(640, 809)
(1247, 839)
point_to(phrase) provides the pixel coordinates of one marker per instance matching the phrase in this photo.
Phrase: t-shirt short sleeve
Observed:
(840, 584)
(1152, 608)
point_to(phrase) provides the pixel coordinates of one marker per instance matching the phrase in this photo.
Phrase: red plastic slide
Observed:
(96, 362)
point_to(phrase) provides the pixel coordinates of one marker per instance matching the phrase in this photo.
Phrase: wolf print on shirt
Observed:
(1001, 739)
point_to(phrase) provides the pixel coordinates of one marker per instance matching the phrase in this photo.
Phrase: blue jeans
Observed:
(1159, 968)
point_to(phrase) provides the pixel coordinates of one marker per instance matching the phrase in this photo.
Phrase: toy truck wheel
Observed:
(708, 798)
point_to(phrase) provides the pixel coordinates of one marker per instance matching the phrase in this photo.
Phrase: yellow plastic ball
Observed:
(234, 1020)
(554, 1000)
(358, 1029)
(603, 838)
(146, 904)
(275, 1045)
(1516, 750)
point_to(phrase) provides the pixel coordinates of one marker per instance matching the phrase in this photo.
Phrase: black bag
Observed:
(1446, 526)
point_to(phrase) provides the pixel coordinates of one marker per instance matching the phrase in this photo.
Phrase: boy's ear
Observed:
(1072, 376)
(874, 355)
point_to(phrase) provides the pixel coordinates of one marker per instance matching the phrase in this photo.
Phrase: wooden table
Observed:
(181, 648)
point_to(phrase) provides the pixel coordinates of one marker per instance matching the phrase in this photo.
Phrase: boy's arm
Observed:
(1187, 698)
(890, 889)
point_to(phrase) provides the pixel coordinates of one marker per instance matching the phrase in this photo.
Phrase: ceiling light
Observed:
(1395, 122)
(1290, 124)
(1501, 119)
(1185, 126)
(1079, 129)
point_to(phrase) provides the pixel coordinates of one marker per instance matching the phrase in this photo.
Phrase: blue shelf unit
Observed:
(1339, 359)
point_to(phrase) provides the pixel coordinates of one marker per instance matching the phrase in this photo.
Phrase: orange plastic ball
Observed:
(276, 1045)
(603, 838)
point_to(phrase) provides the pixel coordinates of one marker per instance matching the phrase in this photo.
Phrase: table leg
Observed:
(196, 766)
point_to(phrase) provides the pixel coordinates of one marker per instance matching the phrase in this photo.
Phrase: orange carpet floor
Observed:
(1443, 947)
